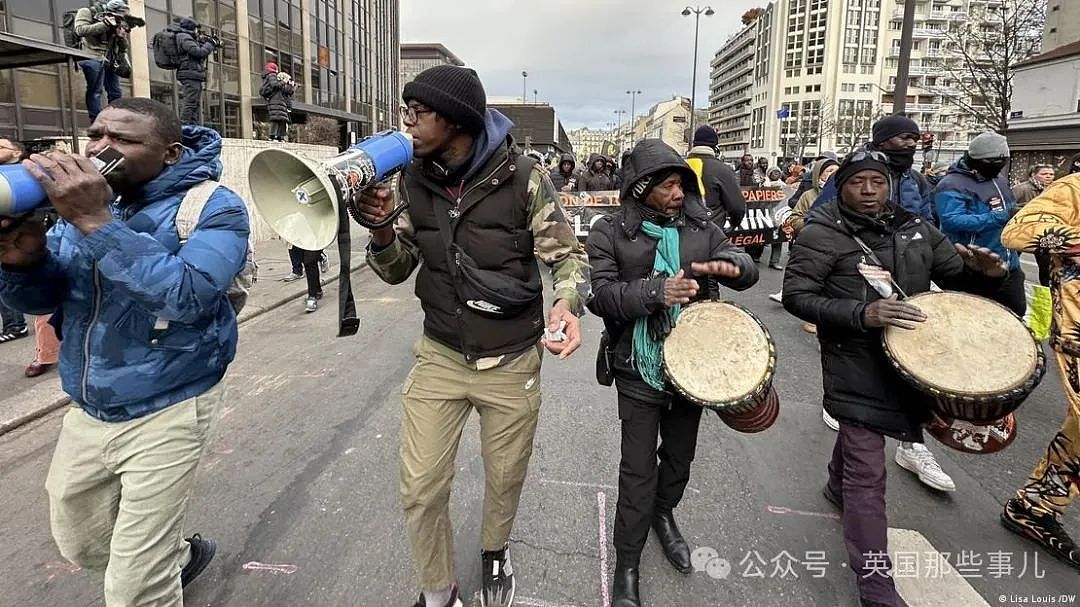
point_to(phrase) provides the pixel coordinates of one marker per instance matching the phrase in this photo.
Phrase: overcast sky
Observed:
(581, 55)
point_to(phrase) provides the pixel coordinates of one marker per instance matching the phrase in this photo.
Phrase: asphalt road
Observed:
(300, 488)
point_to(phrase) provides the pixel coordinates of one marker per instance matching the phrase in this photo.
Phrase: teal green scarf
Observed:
(646, 353)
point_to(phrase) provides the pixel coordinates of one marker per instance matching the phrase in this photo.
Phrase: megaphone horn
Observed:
(300, 198)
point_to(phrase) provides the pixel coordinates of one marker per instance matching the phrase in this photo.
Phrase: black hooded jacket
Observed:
(822, 285)
(560, 179)
(193, 53)
(622, 257)
(594, 181)
(278, 96)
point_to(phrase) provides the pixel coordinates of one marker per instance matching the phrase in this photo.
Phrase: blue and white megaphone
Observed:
(300, 198)
(20, 193)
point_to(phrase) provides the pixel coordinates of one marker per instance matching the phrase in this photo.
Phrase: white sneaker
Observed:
(778, 297)
(311, 304)
(920, 461)
(830, 421)
(324, 263)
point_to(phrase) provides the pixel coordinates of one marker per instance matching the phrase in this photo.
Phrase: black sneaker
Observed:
(202, 552)
(453, 602)
(1043, 529)
(498, 578)
(12, 335)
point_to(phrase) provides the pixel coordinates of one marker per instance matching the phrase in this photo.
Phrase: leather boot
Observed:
(624, 591)
(671, 540)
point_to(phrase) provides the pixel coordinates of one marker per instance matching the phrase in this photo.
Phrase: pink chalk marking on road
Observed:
(601, 507)
(271, 567)
(785, 510)
(59, 568)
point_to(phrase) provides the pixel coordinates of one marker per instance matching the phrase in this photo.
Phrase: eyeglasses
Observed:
(861, 155)
(411, 114)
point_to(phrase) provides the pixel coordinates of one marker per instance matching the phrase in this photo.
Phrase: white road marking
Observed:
(601, 507)
(582, 485)
(944, 588)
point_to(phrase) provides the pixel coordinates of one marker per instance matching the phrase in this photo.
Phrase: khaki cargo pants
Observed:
(437, 397)
(118, 493)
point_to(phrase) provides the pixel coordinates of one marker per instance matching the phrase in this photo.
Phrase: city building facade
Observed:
(1045, 123)
(536, 127)
(587, 142)
(1062, 24)
(813, 75)
(419, 56)
(343, 55)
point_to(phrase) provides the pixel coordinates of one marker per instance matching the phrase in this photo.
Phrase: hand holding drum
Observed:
(892, 312)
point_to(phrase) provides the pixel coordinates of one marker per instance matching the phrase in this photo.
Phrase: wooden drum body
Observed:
(720, 356)
(975, 360)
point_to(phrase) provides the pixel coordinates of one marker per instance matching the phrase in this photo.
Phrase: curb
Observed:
(38, 413)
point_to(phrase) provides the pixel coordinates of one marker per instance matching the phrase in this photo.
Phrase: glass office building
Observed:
(343, 55)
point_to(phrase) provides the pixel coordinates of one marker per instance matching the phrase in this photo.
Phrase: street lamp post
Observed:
(696, 12)
(618, 133)
(536, 93)
(524, 79)
(633, 98)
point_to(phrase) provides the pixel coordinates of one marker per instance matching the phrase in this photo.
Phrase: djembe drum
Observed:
(974, 360)
(720, 356)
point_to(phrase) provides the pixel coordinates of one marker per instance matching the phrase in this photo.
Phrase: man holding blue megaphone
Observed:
(147, 332)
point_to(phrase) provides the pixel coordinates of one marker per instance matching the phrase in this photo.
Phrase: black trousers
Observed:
(278, 130)
(310, 261)
(296, 260)
(191, 101)
(1012, 294)
(651, 480)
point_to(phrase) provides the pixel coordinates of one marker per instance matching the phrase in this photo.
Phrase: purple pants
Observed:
(857, 473)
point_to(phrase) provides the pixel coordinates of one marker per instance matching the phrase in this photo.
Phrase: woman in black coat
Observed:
(823, 285)
(660, 196)
(278, 93)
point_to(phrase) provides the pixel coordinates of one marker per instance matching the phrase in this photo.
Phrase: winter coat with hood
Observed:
(559, 179)
(1026, 191)
(144, 321)
(193, 53)
(278, 96)
(806, 201)
(508, 217)
(722, 194)
(963, 206)
(591, 180)
(622, 257)
(822, 285)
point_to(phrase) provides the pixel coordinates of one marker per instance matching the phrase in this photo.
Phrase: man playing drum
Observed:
(852, 260)
(1050, 225)
(641, 276)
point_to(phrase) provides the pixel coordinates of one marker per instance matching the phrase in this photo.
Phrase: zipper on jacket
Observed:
(476, 185)
(96, 309)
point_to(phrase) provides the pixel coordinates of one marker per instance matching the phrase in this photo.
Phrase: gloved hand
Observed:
(660, 325)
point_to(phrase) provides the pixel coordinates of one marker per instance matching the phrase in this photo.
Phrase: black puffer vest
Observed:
(493, 228)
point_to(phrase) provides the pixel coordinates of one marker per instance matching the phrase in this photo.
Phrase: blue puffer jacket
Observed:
(963, 203)
(145, 322)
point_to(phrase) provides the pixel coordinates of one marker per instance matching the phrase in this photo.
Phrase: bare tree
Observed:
(983, 52)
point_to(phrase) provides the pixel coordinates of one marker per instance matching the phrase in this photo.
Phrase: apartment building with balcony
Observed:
(829, 66)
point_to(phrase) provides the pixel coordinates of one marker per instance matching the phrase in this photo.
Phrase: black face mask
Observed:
(900, 160)
(987, 168)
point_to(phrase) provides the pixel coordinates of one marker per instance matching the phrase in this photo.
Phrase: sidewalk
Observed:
(24, 400)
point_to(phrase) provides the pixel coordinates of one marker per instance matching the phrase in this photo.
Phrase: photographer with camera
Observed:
(194, 47)
(104, 28)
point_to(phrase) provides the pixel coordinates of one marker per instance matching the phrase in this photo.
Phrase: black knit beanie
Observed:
(891, 126)
(705, 135)
(454, 92)
(848, 168)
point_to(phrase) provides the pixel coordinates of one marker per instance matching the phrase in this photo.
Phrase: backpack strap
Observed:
(191, 208)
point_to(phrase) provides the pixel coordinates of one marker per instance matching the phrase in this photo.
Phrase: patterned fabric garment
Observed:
(1051, 224)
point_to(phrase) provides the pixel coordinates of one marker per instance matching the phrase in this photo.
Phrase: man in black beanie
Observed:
(897, 137)
(722, 194)
(833, 280)
(474, 199)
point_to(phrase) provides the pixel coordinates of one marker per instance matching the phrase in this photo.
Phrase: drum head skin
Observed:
(719, 355)
(973, 438)
(968, 347)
